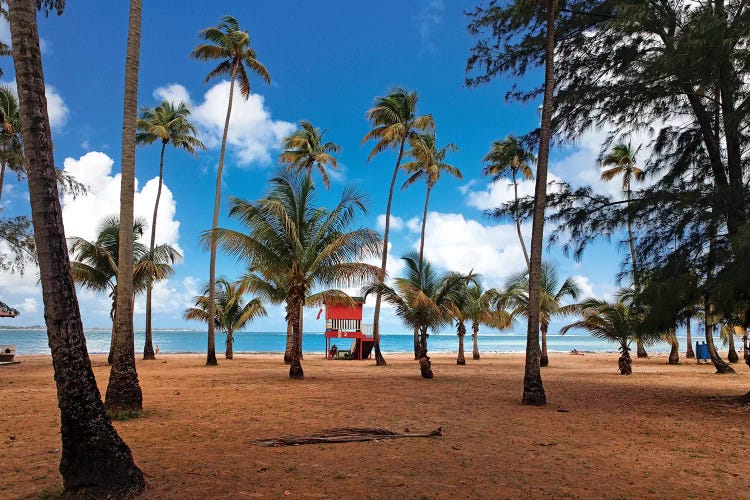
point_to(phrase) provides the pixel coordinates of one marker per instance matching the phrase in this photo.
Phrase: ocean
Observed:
(194, 341)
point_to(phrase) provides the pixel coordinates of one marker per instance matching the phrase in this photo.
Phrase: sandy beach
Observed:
(666, 431)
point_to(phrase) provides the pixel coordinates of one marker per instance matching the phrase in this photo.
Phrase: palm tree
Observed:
(726, 334)
(508, 158)
(232, 313)
(305, 149)
(423, 300)
(552, 294)
(94, 461)
(674, 352)
(533, 388)
(96, 264)
(622, 162)
(608, 321)
(11, 143)
(167, 124)
(479, 309)
(394, 121)
(231, 45)
(305, 245)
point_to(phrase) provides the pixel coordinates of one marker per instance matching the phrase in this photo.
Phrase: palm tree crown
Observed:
(508, 158)
(168, 124)
(305, 149)
(429, 161)
(230, 43)
(516, 294)
(232, 313)
(622, 162)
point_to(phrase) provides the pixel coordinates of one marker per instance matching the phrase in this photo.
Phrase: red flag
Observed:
(319, 313)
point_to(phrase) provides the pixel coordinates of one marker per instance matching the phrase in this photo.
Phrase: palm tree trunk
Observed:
(425, 365)
(719, 364)
(148, 347)
(123, 391)
(2, 179)
(417, 346)
(732, 356)
(475, 334)
(379, 359)
(113, 336)
(301, 327)
(543, 358)
(624, 363)
(518, 222)
(289, 343)
(533, 388)
(295, 301)
(229, 354)
(211, 350)
(674, 353)
(94, 462)
(689, 354)
(424, 225)
(461, 360)
(640, 348)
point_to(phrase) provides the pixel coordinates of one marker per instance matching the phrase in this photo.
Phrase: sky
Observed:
(328, 61)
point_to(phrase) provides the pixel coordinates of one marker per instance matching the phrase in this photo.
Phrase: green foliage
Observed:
(428, 160)
(168, 124)
(305, 149)
(231, 311)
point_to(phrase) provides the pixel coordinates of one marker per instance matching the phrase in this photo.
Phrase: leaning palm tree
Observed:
(305, 149)
(167, 124)
(726, 334)
(306, 245)
(480, 310)
(608, 321)
(423, 299)
(394, 122)
(231, 45)
(232, 313)
(95, 263)
(508, 158)
(11, 143)
(621, 162)
(552, 294)
(94, 461)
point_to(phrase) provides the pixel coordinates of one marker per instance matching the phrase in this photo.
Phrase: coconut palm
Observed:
(95, 263)
(230, 45)
(726, 334)
(613, 322)
(674, 352)
(507, 158)
(516, 298)
(306, 245)
(622, 163)
(11, 143)
(423, 299)
(95, 462)
(169, 125)
(394, 122)
(480, 310)
(232, 313)
(305, 149)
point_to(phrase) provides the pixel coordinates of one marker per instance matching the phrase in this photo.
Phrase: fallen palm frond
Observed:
(344, 435)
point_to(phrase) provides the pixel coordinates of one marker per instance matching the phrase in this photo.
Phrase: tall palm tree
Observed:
(508, 158)
(305, 149)
(232, 313)
(533, 388)
(423, 299)
(551, 297)
(622, 163)
(123, 391)
(167, 124)
(96, 264)
(309, 246)
(394, 122)
(480, 310)
(230, 45)
(428, 165)
(94, 461)
(608, 321)
(11, 143)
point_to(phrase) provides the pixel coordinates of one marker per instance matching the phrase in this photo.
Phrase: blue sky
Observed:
(328, 61)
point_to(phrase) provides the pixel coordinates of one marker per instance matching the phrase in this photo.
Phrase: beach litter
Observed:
(344, 435)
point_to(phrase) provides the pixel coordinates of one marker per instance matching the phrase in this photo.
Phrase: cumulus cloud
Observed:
(83, 214)
(170, 298)
(253, 134)
(501, 191)
(56, 108)
(29, 305)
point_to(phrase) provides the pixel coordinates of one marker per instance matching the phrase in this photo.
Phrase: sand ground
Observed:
(664, 432)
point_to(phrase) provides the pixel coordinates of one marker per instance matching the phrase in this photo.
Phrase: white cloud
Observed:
(601, 291)
(501, 191)
(29, 305)
(56, 107)
(253, 134)
(428, 20)
(82, 215)
(397, 223)
(170, 298)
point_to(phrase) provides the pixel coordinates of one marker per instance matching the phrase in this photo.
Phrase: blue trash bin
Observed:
(701, 352)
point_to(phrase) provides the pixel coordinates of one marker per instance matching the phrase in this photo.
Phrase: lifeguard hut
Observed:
(344, 323)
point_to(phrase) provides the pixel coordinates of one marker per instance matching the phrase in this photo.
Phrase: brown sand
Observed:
(666, 431)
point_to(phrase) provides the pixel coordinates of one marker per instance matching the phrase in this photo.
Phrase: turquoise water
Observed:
(174, 341)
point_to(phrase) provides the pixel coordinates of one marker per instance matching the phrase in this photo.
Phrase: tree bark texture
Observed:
(94, 462)
(148, 346)
(289, 343)
(461, 360)
(475, 334)
(416, 343)
(732, 356)
(295, 301)
(533, 388)
(518, 221)
(229, 354)
(674, 353)
(689, 353)
(543, 358)
(624, 363)
(425, 365)
(720, 365)
(123, 391)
